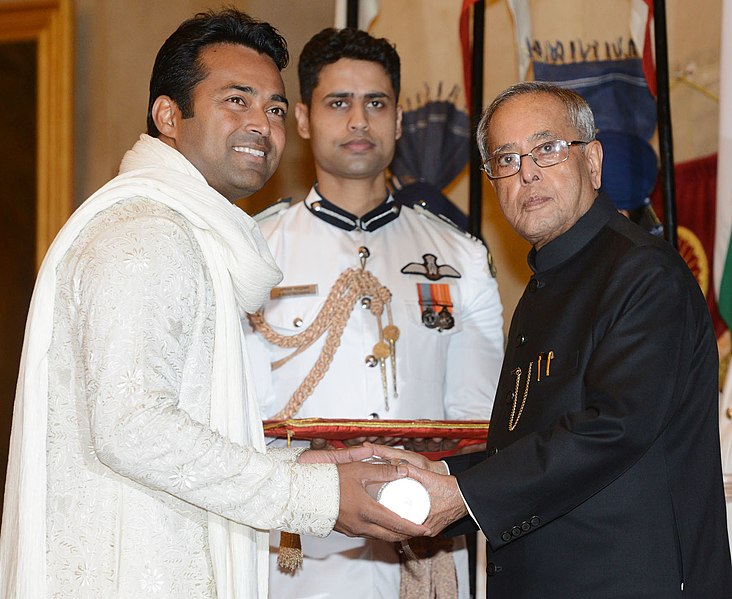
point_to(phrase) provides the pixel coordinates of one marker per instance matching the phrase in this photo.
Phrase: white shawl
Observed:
(242, 272)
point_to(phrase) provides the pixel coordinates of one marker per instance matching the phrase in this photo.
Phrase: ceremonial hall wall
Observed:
(116, 41)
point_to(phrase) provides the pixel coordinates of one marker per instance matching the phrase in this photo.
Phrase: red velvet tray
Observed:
(336, 430)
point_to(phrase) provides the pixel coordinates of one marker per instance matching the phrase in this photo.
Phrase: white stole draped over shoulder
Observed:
(242, 272)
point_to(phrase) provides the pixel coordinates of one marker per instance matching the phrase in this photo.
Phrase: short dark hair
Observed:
(579, 112)
(330, 45)
(178, 68)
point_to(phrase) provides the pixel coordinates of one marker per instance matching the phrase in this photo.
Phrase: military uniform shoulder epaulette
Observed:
(279, 206)
(422, 208)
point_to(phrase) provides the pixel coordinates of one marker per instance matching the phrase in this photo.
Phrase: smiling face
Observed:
(542, 203)
(353, 121)
(236, 135)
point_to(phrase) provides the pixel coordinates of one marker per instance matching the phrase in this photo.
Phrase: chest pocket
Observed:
(555, 384)
(434, 308)
(538, 391)
(551, 367)
(289, 316)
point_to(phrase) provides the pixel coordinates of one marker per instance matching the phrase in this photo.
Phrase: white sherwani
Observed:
(441, 374)
(137, 466)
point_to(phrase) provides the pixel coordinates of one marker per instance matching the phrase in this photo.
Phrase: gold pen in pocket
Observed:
(544, 356)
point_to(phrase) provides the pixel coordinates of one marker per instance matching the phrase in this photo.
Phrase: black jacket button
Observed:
(535, 284)
(520, 340)
(506, 536)
(491, 569)
(515, 531)
(492, 451)
(525, 526)
(535, 521)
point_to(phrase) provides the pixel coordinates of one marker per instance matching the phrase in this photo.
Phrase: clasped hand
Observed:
(360, 515)
(446, 502)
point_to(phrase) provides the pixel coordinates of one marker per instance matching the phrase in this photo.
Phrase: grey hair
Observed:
(579, 113)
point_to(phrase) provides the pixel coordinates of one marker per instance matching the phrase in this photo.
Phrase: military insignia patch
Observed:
(436, 305)
(430, 269)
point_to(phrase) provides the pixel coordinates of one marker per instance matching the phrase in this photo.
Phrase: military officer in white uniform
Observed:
(422, 334)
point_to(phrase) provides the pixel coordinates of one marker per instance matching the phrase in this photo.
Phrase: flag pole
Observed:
(665, 137)
(475, 206)
(352, 14)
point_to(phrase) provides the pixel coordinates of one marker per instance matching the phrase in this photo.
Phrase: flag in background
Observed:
(521, 14)
(616, 91)
(723, 233)
(723, 240)
(466, 46)
(641, 30)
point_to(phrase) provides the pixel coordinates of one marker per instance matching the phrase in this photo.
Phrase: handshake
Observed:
(364, 470)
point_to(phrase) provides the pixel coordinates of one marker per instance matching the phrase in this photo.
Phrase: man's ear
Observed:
(593, 156)
(398, 121)
(302, 115)
(166, 116)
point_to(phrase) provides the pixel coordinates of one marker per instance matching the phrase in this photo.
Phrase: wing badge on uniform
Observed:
(430, 269)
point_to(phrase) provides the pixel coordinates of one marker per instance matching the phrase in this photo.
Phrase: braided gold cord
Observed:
(333, 316)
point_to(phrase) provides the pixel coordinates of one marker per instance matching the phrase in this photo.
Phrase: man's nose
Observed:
(528, 170)
(257, 121)
(358, 119)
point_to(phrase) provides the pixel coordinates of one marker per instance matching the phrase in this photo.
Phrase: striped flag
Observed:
(723, 232)
(641, 30)
(723, 241)
(466, 46)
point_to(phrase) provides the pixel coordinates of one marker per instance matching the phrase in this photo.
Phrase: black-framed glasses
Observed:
(547, 153)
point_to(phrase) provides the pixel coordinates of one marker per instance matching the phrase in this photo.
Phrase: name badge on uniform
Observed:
(436, 305)
(293, 291)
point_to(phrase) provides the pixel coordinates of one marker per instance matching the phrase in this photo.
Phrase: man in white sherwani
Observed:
(137, 463)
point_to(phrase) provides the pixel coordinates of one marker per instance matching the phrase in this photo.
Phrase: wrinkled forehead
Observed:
(524, 121)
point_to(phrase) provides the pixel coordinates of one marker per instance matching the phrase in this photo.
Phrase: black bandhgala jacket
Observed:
(603, 479)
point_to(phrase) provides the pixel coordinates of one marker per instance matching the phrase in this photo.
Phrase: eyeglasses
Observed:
(547, 153)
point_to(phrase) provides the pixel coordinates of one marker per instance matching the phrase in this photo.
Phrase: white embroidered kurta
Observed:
(136, 478)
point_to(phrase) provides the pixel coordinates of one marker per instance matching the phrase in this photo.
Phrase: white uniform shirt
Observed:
(448, 374)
